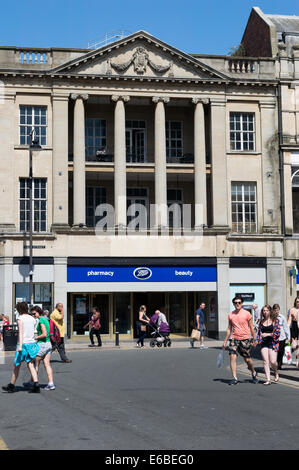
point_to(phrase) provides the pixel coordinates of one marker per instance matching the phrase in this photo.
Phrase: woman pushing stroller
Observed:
(161, 329)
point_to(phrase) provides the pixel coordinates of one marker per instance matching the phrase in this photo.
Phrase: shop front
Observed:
(119, 291)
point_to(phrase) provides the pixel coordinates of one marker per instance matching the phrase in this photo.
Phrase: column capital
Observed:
(197, 99)
(75, 96)
(124, 98)
(164, 99)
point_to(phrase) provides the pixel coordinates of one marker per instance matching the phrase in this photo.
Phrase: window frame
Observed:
(39, 200)
(243, 202)
(233, 141)
(96, 219)
(34, 126)
(169, 148)
(94, 136)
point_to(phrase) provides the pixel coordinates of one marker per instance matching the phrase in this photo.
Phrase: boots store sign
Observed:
(141, 274)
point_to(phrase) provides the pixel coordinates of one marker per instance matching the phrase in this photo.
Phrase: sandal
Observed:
(267, 383)
(276, 378)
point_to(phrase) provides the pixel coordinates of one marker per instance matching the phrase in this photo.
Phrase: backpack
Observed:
(54, 334)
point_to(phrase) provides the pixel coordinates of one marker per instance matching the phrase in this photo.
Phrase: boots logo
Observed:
(142, 273)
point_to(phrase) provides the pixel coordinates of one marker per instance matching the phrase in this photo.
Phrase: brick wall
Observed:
(256, 38)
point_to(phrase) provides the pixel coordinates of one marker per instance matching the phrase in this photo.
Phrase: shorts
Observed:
(240, 346)
(203, 330)
(29, 352)
(45, 348)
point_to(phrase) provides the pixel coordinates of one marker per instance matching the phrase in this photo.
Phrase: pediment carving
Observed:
(140, 55)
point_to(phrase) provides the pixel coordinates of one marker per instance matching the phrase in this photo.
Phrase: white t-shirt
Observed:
(28, 328)
(162, 318)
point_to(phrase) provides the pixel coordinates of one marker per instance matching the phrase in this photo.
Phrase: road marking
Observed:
(3, 446)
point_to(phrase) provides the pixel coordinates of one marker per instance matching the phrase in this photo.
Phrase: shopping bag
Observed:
(195, 335)
(287, 357)
(220, 359)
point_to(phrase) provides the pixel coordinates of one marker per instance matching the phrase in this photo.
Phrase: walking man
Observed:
(200, 325)
(57, 316)
(240, 326)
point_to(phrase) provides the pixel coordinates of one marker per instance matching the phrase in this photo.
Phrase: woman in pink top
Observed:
(240, 328)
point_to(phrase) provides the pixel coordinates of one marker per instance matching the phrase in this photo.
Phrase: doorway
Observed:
(81, 306)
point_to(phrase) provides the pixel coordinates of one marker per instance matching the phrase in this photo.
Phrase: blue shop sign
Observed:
(141, 274)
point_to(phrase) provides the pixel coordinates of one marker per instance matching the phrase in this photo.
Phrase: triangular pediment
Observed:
(140, 55)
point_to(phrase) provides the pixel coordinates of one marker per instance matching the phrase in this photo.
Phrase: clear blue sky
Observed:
(195, 26)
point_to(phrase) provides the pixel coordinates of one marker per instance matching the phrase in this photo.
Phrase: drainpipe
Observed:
(281, 171)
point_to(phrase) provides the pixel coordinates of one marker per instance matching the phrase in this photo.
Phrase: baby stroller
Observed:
(160, 335)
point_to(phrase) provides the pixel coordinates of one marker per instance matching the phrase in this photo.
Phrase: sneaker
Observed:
(234, 381)
(91, 346)
(191, 343)
(10, 388)
(255, 380)
(50, 387)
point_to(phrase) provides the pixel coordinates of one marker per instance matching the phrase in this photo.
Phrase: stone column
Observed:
(270, 167)
(200, 179)
(219, 166)
(120, 177)
(60, 181)
(8, 215)
(160, 163)
(79, 161)
(223, 295)
(288, 193)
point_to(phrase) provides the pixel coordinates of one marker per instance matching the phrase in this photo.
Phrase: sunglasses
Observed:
(237, 303)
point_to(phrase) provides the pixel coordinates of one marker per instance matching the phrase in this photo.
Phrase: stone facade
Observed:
(131, 91)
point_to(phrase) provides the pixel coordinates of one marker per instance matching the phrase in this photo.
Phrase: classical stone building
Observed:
(140, 122)
(276, 37)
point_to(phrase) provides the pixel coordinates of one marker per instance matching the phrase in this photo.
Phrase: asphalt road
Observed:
(147, 399)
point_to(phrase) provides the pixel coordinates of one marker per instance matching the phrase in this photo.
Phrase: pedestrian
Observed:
(1, 326)
(46, 314)
(27, 348)
(200, 325)
(95, 323)
(256, 315)
(293, 322)
(44, 342)
(142, 322)
(285, 335)
(57, 316)
(268, 338)
(240, 327)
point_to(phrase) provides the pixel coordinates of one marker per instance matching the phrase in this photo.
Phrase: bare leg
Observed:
(250, 365)
(266, 358)
(15, 374)
(233, 364)
(32, 370)
(48, 368)
(273, 361)
(37, 363)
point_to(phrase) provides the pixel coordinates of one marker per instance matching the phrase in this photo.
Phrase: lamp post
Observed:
(33, 145)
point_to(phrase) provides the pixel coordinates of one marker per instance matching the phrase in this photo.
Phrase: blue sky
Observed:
(194, 26)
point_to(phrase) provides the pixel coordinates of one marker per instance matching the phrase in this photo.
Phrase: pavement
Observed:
(288, 372)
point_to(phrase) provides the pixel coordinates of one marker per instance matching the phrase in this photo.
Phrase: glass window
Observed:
(174, 139)
(33, 117)
(244, 207)
(123, 312)
(177, 312)
(42, 294)
(95, 136)
(242, 131)
(39, 204)
(94, 197)
(175, 201)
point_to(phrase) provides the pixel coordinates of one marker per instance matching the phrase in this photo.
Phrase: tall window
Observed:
(242, 131)
(33, 117)
(95, 136)
(39, 204)
(175, 217)
(94, 197)
(244, 207)
(138, 196)
(174, 139)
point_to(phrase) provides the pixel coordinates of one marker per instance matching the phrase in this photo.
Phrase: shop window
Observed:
(177, 319)
(123, 312)
(42, 294)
